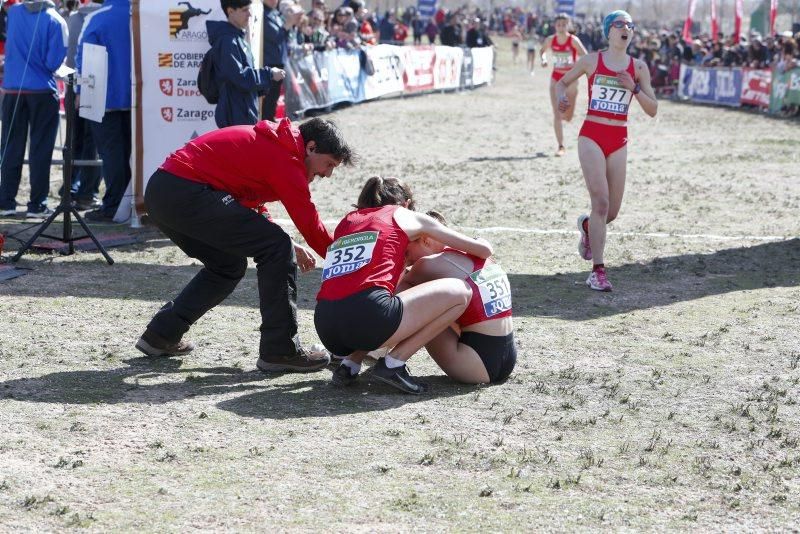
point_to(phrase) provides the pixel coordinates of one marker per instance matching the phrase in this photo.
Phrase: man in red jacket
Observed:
(208, 198)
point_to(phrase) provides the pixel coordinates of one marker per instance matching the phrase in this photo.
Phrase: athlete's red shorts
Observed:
(557, 75)
(608, 138)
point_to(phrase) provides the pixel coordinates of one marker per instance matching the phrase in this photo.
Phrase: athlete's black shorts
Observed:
(498, 353)
(363, 321)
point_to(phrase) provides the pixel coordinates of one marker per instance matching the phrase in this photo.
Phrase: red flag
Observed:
(714, 21)
(737, 22)
(773, 14)
(687, 26)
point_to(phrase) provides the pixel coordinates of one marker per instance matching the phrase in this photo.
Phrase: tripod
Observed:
(65, 206)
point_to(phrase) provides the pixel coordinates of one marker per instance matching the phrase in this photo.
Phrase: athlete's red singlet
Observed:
(491, 292)
(607, 97)
(368, 250)
(564, 56)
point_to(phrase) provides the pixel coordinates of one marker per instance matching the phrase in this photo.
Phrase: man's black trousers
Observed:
(212, 227)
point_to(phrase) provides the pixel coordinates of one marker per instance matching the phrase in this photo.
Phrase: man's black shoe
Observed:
(98, 216)
(303, 362)
(398, 378)
(342, 376)
(154, 345)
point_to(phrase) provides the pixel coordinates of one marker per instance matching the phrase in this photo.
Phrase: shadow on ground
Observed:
(163, 380)
(659, 282)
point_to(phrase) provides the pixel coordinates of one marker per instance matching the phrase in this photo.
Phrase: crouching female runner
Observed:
(484, 351)
(357, 309)
(615, 78)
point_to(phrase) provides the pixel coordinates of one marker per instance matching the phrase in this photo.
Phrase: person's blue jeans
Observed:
(39, 112)
(113, 140)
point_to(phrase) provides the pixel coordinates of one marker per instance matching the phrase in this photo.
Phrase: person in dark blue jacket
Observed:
(35, 47)
(276, 50)
(239, 81)
(110, 27)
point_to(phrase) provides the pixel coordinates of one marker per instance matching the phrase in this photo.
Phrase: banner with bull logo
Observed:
(169, 42)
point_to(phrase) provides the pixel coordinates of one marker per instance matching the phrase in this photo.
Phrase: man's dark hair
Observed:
(355, 5)
(328, 138)
(233, 4)
(380, 191)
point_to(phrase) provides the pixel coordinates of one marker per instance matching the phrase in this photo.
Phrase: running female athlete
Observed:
(357, 308)
(615, 78)
(480, 348)
(565, 49)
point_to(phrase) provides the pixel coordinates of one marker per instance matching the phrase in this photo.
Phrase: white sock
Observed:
(393, 363)
(354, 367)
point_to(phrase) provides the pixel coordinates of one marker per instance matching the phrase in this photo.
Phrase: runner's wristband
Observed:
(637, 89)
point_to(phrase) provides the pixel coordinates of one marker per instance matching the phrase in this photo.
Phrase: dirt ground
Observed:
(671, 403)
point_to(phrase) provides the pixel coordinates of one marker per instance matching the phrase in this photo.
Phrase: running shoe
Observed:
(598, 281)
(584, 248)
(561, 151)
(342, 376)
(8, 213)
(398, 377)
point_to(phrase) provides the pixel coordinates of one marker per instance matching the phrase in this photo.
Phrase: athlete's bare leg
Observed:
(557, 128)
(428, 309)
(616, 165)
(460, 362)
(593, 164)
(572, 94)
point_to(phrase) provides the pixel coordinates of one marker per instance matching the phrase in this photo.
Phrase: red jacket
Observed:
(255, 164)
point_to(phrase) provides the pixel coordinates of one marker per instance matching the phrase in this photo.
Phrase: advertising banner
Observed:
(482, 59)
(426, 8)
(418, 63)
(756, 84)
(785, 90)
(447, 67)
(388, 77)
(343, 73)
(711, 86)
(170, 40)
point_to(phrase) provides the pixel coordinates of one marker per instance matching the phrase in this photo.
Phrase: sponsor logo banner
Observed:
(756, 84)
(418, 63)
(482, 60)
(785, 90)
(711, 86)
(447, 67)
(388, 77)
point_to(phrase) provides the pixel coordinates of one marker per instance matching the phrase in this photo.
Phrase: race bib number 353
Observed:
(495, 290)
(609, 95)
(349, 254)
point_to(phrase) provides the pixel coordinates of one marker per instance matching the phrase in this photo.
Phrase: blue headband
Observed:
(611, 17)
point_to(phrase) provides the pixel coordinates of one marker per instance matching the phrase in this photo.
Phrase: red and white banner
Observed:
(756, 87)
(447, 67)
(687, 26)
(418, 63)
(737, 20)
(773, 14)
(714, 21)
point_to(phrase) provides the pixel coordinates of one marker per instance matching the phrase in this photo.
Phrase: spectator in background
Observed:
(431, 30)
(85, 180)
(110, 27)
(400, 33)
(320, 37)
(366, 33)
(477, 36)
(36, 46)
(451, 34)
(788, 59)
(239, 81)
(417, 28)
(347, 36)
(386, 28)
(275, 49)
